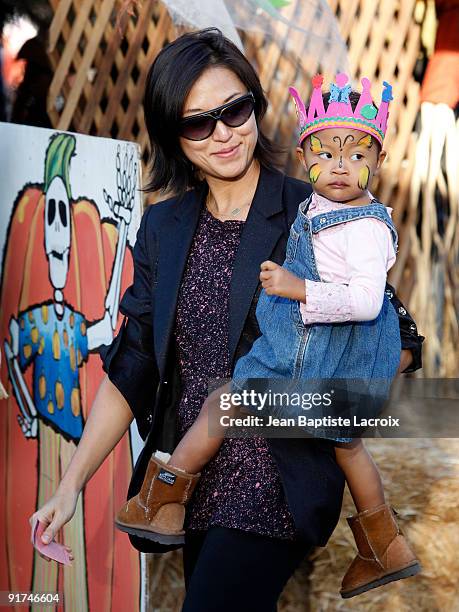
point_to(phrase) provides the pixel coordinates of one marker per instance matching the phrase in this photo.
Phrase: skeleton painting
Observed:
(66, 260)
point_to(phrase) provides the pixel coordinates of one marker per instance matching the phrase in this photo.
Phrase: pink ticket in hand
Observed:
(53, 550)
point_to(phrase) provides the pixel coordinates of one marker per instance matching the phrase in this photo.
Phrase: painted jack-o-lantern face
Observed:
(57, 232)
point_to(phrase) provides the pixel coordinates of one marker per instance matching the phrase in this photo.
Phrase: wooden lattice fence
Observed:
(100, 71)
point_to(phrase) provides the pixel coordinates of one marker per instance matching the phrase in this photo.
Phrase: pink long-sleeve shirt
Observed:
(352, 261)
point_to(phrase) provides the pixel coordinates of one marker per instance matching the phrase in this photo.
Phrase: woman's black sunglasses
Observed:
(233, 114)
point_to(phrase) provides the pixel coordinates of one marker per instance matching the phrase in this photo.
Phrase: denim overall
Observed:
(289, 349)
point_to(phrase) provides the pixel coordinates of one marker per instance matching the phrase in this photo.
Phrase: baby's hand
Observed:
(276, 280)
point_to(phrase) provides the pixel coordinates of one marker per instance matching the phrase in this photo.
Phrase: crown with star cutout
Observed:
(339, 113)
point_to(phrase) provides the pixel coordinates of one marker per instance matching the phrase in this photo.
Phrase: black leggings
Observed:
(229, 570)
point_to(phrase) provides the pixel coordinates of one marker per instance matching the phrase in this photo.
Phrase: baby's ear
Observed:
(381, 157)
(300, 156)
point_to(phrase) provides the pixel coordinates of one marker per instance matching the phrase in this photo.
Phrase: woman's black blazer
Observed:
(141, 362)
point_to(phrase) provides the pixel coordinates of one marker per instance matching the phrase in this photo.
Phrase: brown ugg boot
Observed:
(383, 552)
(157, 512)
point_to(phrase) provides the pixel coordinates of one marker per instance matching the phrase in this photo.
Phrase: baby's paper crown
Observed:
(339, 113)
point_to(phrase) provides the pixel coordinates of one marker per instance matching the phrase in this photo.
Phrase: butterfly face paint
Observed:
(315, 144)
(341, 144)
(340, 163)
(364, 175)
(314, 173)
(366, 141)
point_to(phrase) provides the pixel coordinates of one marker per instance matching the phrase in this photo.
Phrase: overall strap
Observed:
(374, 210)
(304, 206)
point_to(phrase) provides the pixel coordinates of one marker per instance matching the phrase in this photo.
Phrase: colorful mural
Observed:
(70, 210)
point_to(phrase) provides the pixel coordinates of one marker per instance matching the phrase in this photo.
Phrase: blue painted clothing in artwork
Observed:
(57, 346)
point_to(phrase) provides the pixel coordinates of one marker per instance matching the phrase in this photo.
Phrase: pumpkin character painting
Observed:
(64, 267)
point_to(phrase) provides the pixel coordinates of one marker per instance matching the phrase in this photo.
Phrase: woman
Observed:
(261, 504)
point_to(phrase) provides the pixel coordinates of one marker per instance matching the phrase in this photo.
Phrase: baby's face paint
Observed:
(314, 173)
(366, 141)
(364, 173)
(341, 144)
(340, 163)
(349, 138)
(364, 176)
(315, 144)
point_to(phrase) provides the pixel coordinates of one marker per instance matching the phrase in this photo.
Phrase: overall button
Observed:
(306, 226)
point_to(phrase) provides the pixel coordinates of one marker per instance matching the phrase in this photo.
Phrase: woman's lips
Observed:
(228, 152)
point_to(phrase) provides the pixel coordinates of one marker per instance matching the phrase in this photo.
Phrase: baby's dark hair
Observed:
(354, 97)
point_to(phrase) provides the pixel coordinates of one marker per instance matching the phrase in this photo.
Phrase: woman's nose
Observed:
(222, 132)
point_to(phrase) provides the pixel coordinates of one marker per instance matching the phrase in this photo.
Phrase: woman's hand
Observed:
(276, 280)
(55, 513)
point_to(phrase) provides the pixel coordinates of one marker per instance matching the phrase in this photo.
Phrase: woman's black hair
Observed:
(168, 83)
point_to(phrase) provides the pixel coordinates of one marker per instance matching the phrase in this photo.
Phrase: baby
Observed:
(341, 245)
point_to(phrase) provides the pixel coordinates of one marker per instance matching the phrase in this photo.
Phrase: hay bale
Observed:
(421, 481)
